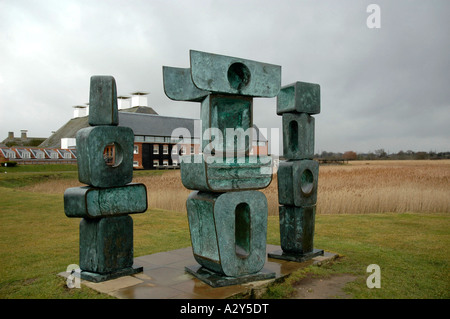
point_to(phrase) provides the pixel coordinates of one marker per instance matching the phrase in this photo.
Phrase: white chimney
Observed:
(80, 111)
(139, 99)
(68, 142)
(123, 102)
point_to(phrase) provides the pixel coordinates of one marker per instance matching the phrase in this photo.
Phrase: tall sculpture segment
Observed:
(105, 163)
(226, 212)
(298, 176)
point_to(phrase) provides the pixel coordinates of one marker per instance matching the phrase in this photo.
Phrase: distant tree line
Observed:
(381, 154)
(30, 142)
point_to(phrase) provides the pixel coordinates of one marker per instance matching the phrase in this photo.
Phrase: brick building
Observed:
(154, 146)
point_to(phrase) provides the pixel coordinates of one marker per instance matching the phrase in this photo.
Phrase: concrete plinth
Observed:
(95, 277)
(297, 257)
(217, 280)
(165, 277)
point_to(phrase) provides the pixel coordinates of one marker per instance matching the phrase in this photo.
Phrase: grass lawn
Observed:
(411, 249)
(37, 241)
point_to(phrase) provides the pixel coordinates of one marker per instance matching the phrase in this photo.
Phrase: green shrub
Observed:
(9, 164)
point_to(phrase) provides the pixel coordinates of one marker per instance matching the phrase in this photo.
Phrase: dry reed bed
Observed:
(356, 188)
(385, 186)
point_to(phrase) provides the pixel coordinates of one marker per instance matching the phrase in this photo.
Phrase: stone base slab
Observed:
(218, 280)
(95, 277)
(280, 254)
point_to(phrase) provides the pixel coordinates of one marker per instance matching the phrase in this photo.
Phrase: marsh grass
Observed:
(357, 188)
(384, 186)
(37, 241)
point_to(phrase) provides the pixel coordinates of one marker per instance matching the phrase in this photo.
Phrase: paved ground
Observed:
(164, 277)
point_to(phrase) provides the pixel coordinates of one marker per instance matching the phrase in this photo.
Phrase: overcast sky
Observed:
(384, 87)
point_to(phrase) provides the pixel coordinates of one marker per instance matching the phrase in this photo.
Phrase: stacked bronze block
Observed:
(226, 212)
(105, 163)
(298, 175)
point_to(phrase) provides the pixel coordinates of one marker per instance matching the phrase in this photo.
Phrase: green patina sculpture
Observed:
(299, 97)
(298, 176)
(297, 182)
(227, 215)
(105, 163)
(243, 173)
(228, 231)
(91, 141)
(92, 202)
(298, 136)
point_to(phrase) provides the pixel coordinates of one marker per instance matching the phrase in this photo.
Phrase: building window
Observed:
(159, 139)
(156, 149)
(135, 163)
(24, 154)
(166, 162)
(174, 162)
(136, 149)
(165, 149)
(53, 155)
(10, 154)
(138, 138)
(40, 154)
(155, 162)
(183, 150)
(174, 149)
(192, 149)
(109, 154)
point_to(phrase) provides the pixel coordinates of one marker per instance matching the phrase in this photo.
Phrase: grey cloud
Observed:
(383, 88)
